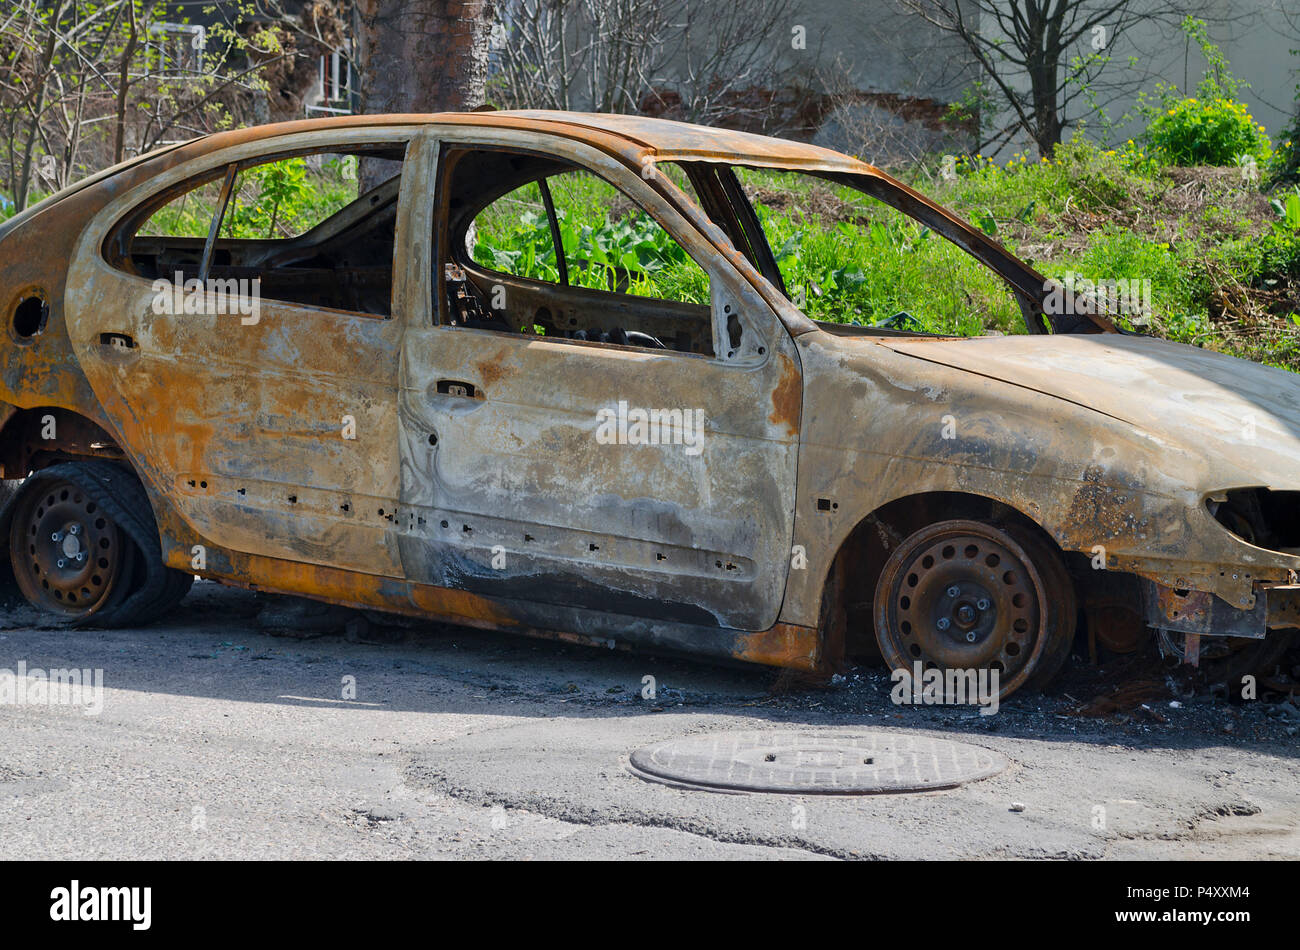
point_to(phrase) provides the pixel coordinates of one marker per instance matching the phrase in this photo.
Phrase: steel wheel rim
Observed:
(67, 554)
(982, 563)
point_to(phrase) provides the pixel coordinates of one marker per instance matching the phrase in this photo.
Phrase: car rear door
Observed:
(273, 432)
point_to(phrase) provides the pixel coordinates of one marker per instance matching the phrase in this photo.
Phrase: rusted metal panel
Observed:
(680, 141)
(1240, 416)
(783, 645)
(1283, 606)
(242, 426)
(516, 494)
(1198, 612)
(878, 411)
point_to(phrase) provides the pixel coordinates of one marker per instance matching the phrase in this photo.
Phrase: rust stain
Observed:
(490, 371)
(787, 398)
(785, 645)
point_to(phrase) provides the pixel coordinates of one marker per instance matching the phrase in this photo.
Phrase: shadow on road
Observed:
(215, 646)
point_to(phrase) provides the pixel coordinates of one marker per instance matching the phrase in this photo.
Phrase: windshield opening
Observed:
(847, 258)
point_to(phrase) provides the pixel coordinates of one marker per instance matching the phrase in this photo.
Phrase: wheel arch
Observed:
(24, 450)
(36, 438)
(850, 581)
(108, 496)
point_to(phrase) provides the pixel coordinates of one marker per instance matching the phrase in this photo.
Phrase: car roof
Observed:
(670, 139)
(630, 135)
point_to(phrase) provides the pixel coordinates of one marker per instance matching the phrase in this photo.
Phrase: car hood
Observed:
(1236, 414)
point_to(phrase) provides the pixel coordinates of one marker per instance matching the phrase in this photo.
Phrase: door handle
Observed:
(454, 387)
(454, 397)
(121, 341)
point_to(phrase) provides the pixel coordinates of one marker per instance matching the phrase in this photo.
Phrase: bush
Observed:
(1280, 253)
(1214, 132)
(1286, 159)
(1210, 128)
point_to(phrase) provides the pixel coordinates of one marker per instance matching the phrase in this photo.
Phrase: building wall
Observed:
(891, 78)
(1250, 34)
(906, 71)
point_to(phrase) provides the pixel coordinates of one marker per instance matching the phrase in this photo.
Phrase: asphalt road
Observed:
(217, 740)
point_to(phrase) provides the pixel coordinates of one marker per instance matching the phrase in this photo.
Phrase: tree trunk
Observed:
(1047, 119)
(124, 88)
(421, 56)
(42, 77)
(1043, 62)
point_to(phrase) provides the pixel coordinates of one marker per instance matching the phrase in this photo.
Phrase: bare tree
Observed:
(31, 44)
(722, 61)
(578, 54)
(735, 66)
(889, 129)
(85, 82)
(1038, 56)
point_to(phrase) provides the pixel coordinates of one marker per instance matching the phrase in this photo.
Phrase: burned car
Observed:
(394, 362)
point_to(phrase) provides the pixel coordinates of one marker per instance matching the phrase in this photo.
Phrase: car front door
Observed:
(549, 455)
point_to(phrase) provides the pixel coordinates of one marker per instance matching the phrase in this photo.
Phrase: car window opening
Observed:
(315, 228)
(537, 245)
(855, 263)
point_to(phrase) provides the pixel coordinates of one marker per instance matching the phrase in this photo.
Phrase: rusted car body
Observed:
(1132, 481)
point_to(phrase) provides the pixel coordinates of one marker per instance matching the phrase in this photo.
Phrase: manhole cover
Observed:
(810, 764)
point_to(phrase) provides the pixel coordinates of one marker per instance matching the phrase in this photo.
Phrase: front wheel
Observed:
(968, 595)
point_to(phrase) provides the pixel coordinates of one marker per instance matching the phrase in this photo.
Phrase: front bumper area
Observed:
(1277, 606)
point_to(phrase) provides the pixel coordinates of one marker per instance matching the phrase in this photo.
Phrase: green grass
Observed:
(286, 198)
(608, 244)
(1220, 276)
(849, 258)
(277, 200)
(1080, 176)
(8, 209)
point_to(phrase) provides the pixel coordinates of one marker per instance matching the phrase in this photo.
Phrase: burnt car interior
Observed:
(341, 262)
(472, 180)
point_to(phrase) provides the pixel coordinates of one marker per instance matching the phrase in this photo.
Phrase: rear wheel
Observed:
(68, 556)
(970, 595)
(84, 547)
